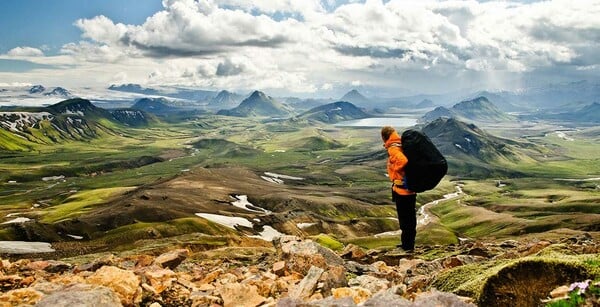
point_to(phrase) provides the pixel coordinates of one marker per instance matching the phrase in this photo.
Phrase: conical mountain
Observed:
(435, 114)
(334, 112)
(258, 104)
(355, 97)
(225, 99)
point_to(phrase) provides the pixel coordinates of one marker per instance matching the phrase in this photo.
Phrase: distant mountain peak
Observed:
(258, 95)
(335, 112)
(355, 97)
(257, 104)
(59, 91)
(36, 89)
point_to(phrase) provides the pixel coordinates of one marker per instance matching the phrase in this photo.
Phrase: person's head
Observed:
(386, 132)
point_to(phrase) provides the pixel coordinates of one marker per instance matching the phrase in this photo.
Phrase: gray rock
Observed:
(391, 297)
(81, 295)
(436, 298)
(307, 286)
(370, 283)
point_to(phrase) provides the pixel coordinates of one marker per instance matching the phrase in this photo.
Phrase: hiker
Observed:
(405, 199)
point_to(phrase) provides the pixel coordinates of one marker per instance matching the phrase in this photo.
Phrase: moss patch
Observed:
(522, 282)
(328, 241)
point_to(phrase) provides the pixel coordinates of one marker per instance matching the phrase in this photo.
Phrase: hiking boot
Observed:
(399, 250)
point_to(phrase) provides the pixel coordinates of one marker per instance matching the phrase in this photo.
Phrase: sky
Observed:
(300, 47)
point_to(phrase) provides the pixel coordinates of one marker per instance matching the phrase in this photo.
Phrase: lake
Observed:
(400, 121)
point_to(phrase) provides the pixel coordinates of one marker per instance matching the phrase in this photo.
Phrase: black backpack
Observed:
(426, 165)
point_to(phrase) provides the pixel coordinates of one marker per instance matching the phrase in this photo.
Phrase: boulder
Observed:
(125, 283)
(300, 255)
(81, 295)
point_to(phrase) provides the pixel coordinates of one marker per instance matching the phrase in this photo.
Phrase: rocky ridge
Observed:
(300, 272)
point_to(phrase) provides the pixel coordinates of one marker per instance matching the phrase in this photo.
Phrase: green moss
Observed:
(328, 241)
(520, 281)
(7, 234)
(384, 242)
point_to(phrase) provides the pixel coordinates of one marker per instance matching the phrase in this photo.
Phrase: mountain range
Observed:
(334, 112)
(478, 109)
(73, 119)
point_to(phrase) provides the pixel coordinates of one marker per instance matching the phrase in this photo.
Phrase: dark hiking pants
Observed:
(407, 217)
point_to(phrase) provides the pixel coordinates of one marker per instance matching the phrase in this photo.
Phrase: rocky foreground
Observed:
(300, 272)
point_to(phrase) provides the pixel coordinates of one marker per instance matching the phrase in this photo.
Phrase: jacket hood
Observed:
(394, 139)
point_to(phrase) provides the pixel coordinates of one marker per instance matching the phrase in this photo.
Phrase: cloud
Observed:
(190, 28)
(25, 52)
(228, 68)
(305, 45)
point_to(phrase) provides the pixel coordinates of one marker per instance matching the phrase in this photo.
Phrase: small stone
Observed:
(370, 283)
(206, 287)
(236, 294)
(20, 297)
(160, 279)
(125, 283)
(212, 276)
(353, 252)
(38, 265)
(172, 259)
(279, 268)
(10, 282)
(560, 292)
(57, 266)
(228, 278)
(359, 295)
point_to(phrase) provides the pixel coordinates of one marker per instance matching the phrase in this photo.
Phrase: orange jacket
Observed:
(395, 164)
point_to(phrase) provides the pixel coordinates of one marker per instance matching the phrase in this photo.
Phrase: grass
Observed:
(81, 202)
(329, 158)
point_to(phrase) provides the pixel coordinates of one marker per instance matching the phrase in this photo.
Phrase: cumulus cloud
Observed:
(309, 45)
(229, 68)
(25, 52)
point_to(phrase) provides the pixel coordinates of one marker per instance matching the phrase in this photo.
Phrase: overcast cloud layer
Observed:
(309, 46)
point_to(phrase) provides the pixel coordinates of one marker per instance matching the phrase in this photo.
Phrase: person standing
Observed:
(405, 199)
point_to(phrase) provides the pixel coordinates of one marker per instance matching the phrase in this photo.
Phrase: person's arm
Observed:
(397, 158)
